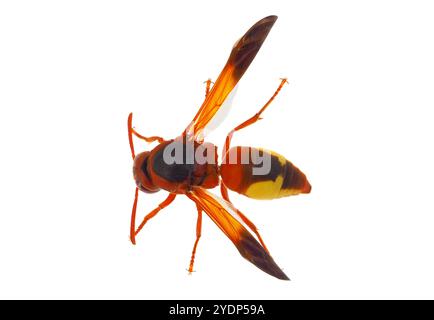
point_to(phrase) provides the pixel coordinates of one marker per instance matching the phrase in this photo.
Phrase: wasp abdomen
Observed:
(262, 174)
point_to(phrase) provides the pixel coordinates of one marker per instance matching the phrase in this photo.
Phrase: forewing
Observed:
(243, 53)
(218, 210)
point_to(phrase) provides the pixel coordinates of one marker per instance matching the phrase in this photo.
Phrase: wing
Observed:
(247, 245)
(243, 53)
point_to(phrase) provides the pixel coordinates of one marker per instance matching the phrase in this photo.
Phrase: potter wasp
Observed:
(187, 165)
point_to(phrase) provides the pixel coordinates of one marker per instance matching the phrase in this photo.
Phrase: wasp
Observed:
(192, 176)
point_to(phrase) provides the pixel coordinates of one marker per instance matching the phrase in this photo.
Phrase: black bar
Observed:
(210, 309)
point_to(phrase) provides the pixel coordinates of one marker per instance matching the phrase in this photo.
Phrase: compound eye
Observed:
(141, 174)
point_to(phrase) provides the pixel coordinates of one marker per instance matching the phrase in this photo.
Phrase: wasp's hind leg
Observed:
(208, 87)
(253, 119)
(198, 234)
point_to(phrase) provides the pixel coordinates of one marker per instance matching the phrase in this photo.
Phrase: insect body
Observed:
(189, 166)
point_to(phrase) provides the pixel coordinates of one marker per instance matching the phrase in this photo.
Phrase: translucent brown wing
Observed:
(247, 245)
(243, 53)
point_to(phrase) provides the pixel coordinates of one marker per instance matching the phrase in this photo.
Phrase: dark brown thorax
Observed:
(177, 166)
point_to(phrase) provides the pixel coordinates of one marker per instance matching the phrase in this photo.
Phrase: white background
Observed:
(356, 118)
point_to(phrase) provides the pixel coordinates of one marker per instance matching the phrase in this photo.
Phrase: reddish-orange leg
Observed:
(253, 119)
(248, 122)
(132, 132)
(198, 234)
(208, 87)
(207, 90)
(153, 213)
(165, 203)
(199, 210)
